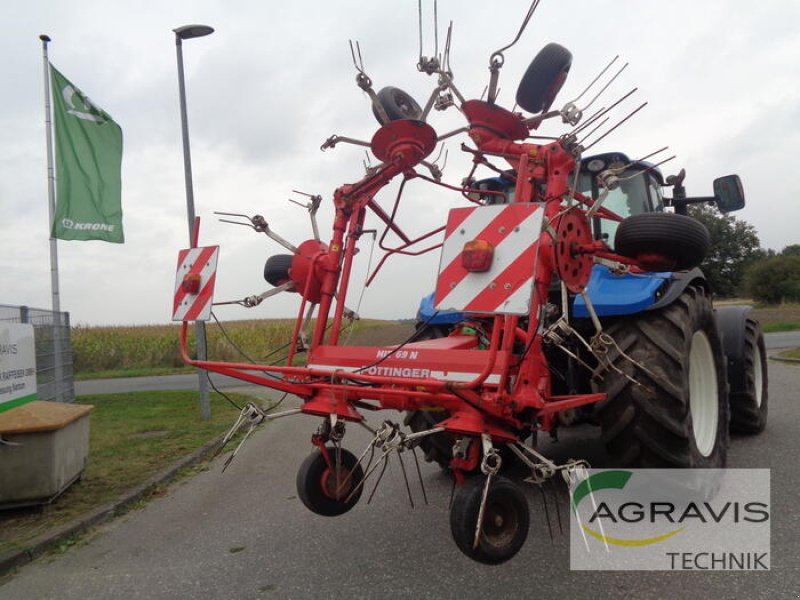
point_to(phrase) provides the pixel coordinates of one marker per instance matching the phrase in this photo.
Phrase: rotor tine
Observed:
(482, 511)
(405, 479)
(370, 446)
(554, 490)
(419, 474)
(452, 493)
(358, 64)
(374, 489)
(546, 512)
(636, 110)
(605, 87)
(599, 75)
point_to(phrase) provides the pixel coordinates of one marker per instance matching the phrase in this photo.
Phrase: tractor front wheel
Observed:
(330, 487)
(667, 388)
(505, 525)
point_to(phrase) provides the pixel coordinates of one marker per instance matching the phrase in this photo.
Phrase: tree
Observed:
(791, 250)
(775, 280)
(734, 246)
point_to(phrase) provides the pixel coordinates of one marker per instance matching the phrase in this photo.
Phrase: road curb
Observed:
(46, 541)
(785, 359)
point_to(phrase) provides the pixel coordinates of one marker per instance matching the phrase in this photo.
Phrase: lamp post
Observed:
(187, 32)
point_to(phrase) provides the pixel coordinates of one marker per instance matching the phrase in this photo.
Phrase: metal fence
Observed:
(54, 370)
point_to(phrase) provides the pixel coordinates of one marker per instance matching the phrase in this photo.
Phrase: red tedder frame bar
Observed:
(496, 390)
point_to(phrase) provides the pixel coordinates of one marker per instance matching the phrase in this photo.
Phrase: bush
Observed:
(775, 280)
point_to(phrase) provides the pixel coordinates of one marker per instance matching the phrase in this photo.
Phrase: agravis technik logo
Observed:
(713, 519)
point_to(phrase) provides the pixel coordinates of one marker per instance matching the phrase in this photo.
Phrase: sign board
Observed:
(194, 284)
(17, 365)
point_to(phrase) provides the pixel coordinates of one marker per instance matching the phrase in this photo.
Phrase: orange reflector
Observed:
(477, 256)
(191, 283)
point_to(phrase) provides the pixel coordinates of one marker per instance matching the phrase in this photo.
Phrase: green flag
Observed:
(88, 166)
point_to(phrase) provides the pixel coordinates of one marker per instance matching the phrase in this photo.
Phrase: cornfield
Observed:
(153, 346)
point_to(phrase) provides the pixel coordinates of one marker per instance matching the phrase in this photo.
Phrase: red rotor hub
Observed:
(574, 268)
(308, 268)
(407, 139)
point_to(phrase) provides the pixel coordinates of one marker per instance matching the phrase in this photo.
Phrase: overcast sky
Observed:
(276, 79)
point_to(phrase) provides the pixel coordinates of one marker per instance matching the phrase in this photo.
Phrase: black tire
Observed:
(544, 77)
(505, 523)
(659, 423)
(397, 104)
(665, 241)
(749, 404)
(317, 488)
(276, 270)
(438, 447)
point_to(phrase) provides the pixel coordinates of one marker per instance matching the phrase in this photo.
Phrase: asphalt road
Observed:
(244, 534)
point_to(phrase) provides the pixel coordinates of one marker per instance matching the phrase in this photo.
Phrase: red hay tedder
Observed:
(514, 262)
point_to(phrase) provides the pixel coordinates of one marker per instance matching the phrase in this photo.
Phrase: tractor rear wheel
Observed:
(749, 405)
(438, 447)
(667, 388)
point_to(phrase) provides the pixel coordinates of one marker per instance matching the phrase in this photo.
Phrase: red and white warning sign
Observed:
(508, 235)
(194, 284)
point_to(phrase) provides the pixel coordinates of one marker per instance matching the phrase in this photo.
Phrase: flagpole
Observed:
(51, 196)
(51, 191)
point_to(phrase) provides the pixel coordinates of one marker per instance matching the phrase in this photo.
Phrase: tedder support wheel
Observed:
(663, 241)
(749, 404)
(505, 522)
(276, 270)
(325, 490)
(543, 78)
(676, 413)
(397, 104)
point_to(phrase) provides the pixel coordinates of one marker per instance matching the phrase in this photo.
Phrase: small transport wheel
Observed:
(276, 270)
(749, 404)
(324, 490)
(505, 522)
(397, 104)
(663, 241)
(544, 77)
(667, 386)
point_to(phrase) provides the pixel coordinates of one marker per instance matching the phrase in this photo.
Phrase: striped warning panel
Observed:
(189, 306)
(506, 288)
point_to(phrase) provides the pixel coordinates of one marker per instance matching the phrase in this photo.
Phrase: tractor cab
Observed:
(639, 189)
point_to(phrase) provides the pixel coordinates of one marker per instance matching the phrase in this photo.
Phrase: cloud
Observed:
(271, 84)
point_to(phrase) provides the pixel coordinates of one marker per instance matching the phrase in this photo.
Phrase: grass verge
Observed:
(141, 372)
(775, 327)
(793, 353)
(132, 437)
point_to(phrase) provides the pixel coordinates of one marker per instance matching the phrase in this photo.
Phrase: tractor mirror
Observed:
(728, 193)
(544, 78)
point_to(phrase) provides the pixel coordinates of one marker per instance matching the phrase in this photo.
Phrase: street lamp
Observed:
(187, 32)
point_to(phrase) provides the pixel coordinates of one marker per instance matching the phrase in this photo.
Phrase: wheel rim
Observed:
(758, 375)
(703, 393)
(500, 523)
(336, 484)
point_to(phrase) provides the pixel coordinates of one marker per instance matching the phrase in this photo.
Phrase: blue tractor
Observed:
(661, 330)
